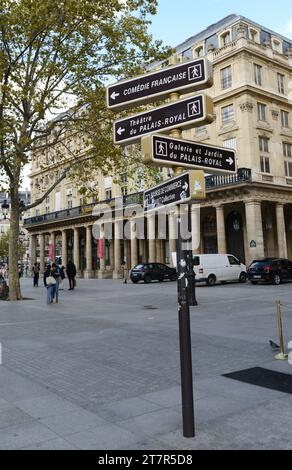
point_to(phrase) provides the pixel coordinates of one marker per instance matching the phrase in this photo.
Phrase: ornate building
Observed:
(248, 215)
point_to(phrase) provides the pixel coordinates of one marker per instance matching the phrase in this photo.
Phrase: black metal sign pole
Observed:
(190, 266)
(185, 339)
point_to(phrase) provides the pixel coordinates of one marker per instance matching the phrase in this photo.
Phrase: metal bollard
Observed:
(281, 356)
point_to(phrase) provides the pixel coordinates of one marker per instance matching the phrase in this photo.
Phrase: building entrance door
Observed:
(235, 237)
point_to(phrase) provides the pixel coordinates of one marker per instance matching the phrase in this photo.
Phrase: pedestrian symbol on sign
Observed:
(195, 72)
(194, 108)
(161, 148)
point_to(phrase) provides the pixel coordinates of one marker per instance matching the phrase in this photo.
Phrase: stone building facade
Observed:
(248, 215)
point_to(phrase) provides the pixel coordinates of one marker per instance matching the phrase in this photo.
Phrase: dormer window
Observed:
(254, 35)
(199, 52)
(225, 38)
(277, 45)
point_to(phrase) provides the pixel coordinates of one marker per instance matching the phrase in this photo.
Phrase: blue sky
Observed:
(177, 20)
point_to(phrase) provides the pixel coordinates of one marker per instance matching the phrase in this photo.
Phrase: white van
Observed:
(218, 268)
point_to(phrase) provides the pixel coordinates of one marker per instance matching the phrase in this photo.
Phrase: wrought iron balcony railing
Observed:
(212, 182)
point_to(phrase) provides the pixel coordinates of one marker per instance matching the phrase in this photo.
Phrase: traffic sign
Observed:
(186, 77)
(158, 150)
(178, 190)
(186, 113)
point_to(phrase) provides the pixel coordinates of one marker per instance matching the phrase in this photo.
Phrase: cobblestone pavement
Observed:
(100, 370)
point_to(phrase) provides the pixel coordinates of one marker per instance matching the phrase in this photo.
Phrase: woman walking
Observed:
(51, 282)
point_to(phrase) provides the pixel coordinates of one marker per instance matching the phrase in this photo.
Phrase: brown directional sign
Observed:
(186, 113)
(159, 150)
(178, 190)
(187, 77)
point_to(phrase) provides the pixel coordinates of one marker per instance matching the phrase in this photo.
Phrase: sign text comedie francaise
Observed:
(160, 150)
(186, 113)
(189, 76)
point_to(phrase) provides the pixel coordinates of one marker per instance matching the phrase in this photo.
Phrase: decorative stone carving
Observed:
(247, 106)
(211, 48)
(241, 31)
(275, 114)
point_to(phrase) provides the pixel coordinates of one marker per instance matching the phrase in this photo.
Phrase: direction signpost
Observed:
(178, 190)
(194, 111)
(159, 150)
(185, 78)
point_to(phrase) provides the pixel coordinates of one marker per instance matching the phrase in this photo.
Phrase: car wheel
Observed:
(211, 281)
(254, 283)
(134, 281)
(243, 278)
(277, 280)
(147, 279)
(173, 277)
(160, 280)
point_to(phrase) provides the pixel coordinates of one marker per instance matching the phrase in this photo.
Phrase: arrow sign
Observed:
(186, 113)
(187, 77)
(178, 190)
(159, 150)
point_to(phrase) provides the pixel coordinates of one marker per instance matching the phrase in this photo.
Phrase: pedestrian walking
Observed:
(36, 274)
(71, 273)
(51, 282)
(62, 277)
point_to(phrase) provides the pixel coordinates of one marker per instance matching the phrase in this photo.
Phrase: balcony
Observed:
(82, 211)
(212, 182)
(216, 181)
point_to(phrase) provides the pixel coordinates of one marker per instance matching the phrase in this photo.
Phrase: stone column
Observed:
(151, 237)
(142, 250)
(196, 228)
(281, 231)
(64, 248)
(76, 251)
(32, 250)
(101, 272)
(117, 249)
(134, 244)
(254, 227)
(88, 273)
(42, 252)
(221, 234)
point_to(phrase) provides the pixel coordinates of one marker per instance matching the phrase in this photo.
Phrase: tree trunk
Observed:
(14, 284)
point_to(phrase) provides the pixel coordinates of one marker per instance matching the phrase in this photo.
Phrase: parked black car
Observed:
(271, 270)
(148, 272)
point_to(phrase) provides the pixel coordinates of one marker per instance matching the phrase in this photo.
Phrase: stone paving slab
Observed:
(99, 371)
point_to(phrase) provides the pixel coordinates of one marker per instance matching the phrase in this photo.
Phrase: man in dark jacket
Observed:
(71, 273)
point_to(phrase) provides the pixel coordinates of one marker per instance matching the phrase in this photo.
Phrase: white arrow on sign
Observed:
(185, 187)
(114, 95)
(120, 130)
(230, 161)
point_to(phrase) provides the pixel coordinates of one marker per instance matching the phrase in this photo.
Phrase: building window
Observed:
(199, 52)
(265, 165)
(262, 112)
(287, 149)
(201, 129)
(288, 169)
(225, 38)
(257, 72)
(108, 193)
(254, 35)
(277, 45)
(285, 118)
(69, 204)
(281, 83)
(264, 144)
(227, 113)
(230, 143)
(226, 78)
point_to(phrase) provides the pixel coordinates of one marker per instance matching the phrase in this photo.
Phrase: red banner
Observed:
(100, 248)
(51, 251)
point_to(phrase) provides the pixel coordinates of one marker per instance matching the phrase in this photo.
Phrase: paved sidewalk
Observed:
(100, 370)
